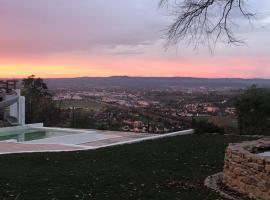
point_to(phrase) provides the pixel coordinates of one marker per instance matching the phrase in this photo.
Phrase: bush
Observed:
(253, 110)
(206, 127)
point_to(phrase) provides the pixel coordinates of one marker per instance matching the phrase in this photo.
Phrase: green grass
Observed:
(90, 104)
(172, 168)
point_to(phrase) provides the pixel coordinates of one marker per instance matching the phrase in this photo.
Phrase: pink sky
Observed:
(67, 38)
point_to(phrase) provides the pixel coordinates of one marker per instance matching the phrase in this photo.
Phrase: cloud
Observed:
(38, 26)
(116, 37)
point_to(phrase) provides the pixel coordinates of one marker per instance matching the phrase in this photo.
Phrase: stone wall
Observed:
(245, 171)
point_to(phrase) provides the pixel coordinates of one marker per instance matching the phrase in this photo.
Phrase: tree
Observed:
(83, 120)
(253, 110)
(205, 126)
(201, 21)
(39, 103)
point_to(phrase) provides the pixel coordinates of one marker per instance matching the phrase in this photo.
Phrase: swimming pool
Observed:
(25, 135)
(46, 135)
(37, 138)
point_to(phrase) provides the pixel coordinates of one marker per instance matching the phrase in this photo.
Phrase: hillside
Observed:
(152, 82)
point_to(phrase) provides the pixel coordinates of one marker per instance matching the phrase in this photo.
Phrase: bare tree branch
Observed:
(201, 21)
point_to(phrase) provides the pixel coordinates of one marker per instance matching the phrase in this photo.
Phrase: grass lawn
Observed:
(90, 104)
(165, 169)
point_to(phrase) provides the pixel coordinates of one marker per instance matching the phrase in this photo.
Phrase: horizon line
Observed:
(126, 76)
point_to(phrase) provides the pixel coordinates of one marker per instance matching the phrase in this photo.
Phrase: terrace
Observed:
(8, 85)
(36, 138)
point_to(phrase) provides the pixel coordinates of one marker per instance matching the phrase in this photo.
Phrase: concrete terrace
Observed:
(104, 139)
(120, 137)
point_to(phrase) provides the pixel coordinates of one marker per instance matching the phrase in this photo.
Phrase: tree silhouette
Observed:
(253, 110)
(204, 21)
(39, 104)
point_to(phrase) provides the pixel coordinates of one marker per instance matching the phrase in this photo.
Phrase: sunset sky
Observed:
(74, 38)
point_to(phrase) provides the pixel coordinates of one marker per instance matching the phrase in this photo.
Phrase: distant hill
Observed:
(152, 82)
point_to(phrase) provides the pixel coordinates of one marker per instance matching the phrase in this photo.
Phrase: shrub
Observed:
(253, 110)
(206, 127)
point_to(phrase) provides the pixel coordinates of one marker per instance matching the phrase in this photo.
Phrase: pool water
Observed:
(29, 135)
(53, 136)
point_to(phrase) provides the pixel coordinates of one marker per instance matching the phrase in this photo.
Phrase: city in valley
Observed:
(146, 110)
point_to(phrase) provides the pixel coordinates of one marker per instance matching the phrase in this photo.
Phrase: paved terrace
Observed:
(112, 137)
(121, 137)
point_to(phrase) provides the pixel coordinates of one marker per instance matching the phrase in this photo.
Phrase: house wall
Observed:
(18, 109)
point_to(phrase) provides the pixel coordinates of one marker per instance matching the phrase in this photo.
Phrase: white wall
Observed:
(18, 109)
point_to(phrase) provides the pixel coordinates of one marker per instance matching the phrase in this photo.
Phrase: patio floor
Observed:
(122, 137)
(104, 138)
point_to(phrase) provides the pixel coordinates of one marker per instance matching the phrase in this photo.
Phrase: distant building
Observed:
(211, 109)
(108, 100)
(230, 110)
(137, 124)
(143, 103)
